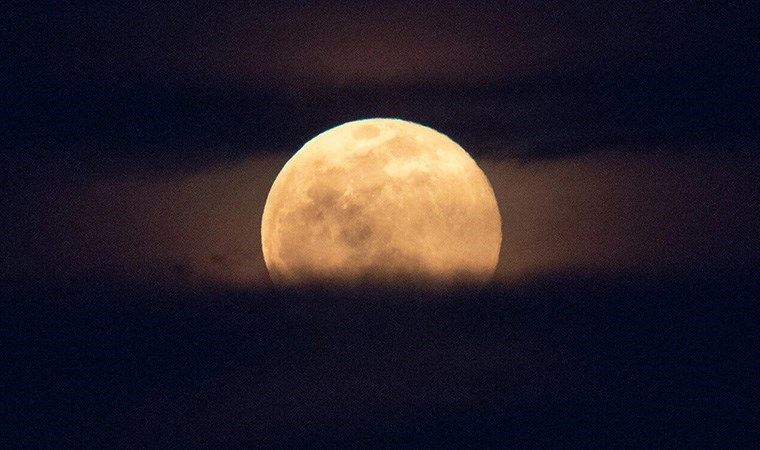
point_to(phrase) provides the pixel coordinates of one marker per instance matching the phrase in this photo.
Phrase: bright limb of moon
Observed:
(383, 200)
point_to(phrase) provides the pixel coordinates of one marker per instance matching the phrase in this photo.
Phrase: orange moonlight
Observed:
(382, 200)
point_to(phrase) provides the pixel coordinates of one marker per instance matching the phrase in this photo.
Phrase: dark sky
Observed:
(143, 136)
(153, 76)
(292, 43)
(138, 142)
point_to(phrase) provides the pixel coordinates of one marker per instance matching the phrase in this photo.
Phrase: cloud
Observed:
(607, 211)
(332, 42)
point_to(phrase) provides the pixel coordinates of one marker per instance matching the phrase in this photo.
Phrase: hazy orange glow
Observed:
(605, 211)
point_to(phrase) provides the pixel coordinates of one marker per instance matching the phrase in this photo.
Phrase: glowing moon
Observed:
(381, 200)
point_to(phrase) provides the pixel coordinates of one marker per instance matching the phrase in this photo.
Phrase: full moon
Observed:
(381, 200)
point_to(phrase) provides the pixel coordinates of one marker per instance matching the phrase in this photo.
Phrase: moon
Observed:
(381, 200)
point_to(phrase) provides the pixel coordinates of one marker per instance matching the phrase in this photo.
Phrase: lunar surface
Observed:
(381, 200)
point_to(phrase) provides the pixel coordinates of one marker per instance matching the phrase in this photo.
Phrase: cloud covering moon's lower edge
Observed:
(605, 211)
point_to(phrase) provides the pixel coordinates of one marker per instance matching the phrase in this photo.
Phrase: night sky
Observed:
(140, 140)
